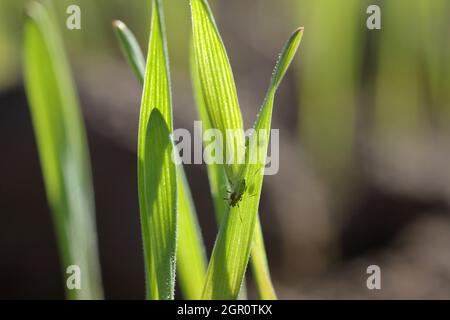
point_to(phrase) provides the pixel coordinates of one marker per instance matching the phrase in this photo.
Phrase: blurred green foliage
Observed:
(413, 67)
(94, 40)
(63, 149)
(376, 84)
(329, 71)
(11, 21)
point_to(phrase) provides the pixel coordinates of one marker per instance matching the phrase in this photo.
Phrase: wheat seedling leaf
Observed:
(191, 258)
(217, 82)
(232, 248)
(157, 189)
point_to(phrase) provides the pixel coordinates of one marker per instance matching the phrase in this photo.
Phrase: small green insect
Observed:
(235, 196)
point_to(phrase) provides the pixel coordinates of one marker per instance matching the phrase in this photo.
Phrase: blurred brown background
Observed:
(364, 119)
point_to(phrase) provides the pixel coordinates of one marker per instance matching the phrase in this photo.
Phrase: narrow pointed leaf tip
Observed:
(286, 57)
(130, 49)
(263, 120)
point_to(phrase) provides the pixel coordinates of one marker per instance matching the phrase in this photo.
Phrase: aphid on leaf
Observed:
(237, 194)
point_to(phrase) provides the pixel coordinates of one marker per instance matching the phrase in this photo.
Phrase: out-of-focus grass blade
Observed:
(63, 150)
(399, 109)
(191, 258)
(130, 49)
(432, 25)
(10, 29)
(159, 254)
(217, 82)
(218, 183)
(233, 244)
(329, 69)
(413, 66)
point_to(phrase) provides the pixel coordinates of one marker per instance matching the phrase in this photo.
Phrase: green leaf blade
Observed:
(216, 174)
(191, 257)
(233, 245)
(217, 82)
(161, 199)
(218, 184)
(260, 266)
(156, 92)
(156, 95)
(62, 147)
